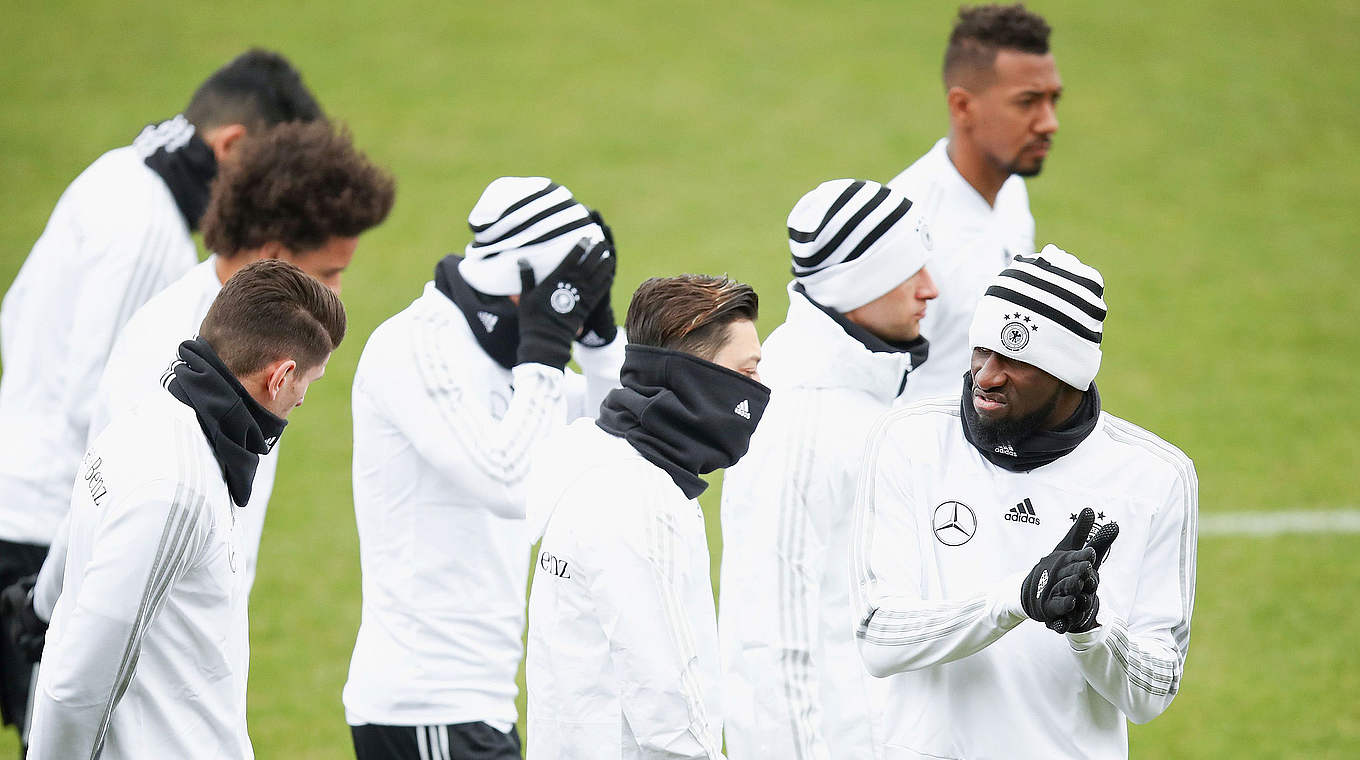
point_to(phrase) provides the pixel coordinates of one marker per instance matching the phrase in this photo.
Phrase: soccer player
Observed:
(120, 232)
(623, 649)
(793, 684)
(146, 656)
(449, 397)
(300, 192)
(981, 523)
(1002, 89)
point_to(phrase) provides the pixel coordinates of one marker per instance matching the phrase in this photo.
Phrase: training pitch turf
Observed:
(1207, 164)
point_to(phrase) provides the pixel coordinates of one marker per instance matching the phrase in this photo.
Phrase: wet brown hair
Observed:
(689, 312)
(272, 310)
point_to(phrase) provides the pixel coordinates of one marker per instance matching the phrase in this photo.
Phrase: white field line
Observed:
(1276, 523)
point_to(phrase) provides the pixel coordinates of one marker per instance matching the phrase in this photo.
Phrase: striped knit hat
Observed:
(1046, 310)
(530, 218)
(854, 240)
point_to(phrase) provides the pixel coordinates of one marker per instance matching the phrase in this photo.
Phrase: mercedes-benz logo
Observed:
(954, 523)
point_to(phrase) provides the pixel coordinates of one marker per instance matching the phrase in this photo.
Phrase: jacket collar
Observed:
(812, 350)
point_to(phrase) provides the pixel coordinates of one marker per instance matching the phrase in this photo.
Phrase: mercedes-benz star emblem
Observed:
(954, 523)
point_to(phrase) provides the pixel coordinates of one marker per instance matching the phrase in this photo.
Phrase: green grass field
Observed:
(1208, 164)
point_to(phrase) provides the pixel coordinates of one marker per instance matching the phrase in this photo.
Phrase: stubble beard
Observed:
(994, 434)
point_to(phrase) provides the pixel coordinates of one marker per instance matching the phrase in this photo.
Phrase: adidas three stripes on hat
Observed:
(531, 218)
(854, 240)
(1047, 310)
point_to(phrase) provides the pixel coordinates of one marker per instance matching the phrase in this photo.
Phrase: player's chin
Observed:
(1030, 168)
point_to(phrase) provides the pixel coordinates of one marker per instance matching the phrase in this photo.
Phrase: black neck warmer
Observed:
(188, 171)
(918, 348)
(238, 428)
(1040, 447)
(683, 414)
(494, 319)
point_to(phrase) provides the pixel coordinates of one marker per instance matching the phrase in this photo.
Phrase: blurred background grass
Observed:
(1208, 162)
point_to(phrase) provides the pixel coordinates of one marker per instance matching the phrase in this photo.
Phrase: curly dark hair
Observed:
(258, 88)
(689, 312)
(298, 184)
(980, 31)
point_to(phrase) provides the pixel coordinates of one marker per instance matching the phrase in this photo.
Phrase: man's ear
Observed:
(276, 376)
(960, 102)
(224, 139)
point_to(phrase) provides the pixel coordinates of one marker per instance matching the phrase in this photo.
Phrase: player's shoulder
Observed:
(928, 414)
(155, 448)
(921, 174)
(924, 173)
(1148, 450)
(421, 331)
(119, 188)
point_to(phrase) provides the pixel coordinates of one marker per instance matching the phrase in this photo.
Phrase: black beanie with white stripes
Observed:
(530, 218)
(853, 240)
(1047, 310)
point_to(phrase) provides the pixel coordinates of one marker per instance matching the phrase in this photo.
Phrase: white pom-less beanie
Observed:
(1046, 310)
(853, 240)
(531, 218)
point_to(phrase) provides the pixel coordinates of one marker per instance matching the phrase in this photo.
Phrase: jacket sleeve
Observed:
(124, 266)
(898, 627)
(1136, 664)
(778, 661)
(651, 638)
(47, 588)
(600, 368)
(457, 433)
(142, 546)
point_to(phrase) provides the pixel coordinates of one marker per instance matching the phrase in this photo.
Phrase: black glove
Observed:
(1050, 590)
(600, 327)
(552, 313)
(1082, 618)
(22, 624)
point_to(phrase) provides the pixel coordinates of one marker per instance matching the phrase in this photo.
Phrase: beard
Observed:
(1026, 170)
(1009, 432)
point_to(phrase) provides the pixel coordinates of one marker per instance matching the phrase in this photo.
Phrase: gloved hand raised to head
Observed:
(553, 312)
(600, 329)
(1082, 618)
(1051, 589)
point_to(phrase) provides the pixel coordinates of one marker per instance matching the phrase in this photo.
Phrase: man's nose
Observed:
(991, 375)
(1048, 119)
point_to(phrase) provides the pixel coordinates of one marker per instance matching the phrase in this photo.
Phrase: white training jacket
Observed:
(973, 241)
(793, 683)
(943, 547)
(623, 650)
(442, 435)
(146, 346)
(114, 239)
(146, 656)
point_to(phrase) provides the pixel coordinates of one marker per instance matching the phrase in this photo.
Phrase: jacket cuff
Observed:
(1005, 601)
(604, 358)
(1081, 642)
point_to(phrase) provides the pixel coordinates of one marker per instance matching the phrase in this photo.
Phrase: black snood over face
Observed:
(494, 319)
(683, 414)
(188, 170)
(1030, 449)
(237, 427)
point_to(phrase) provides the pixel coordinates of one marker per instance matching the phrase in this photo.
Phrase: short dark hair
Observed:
(299, 184)
(259, 88)
(689, 312)
(272, 310)
(980, 31)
